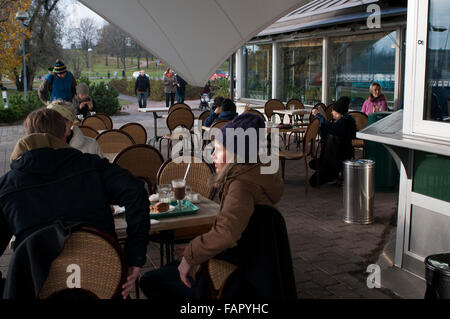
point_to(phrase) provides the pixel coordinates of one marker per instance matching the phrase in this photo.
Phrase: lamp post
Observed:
(22, 16)
(90, 62)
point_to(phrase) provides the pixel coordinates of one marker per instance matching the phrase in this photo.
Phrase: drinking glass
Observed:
(179, 191)
(292, 107)
(164, 192)
(188, 192)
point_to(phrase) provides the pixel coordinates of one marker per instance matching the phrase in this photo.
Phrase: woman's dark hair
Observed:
(218, 101)
(228, 105)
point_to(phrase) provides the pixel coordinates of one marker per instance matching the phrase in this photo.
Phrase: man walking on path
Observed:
(181, 89)
(58, 85)
(142, 89)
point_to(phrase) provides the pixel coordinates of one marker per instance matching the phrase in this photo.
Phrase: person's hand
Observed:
(82, 105)
(377, 108)
(133, 273)
(185, 269)
(90, 105)
(218, 110)
(315, 112)
(246, 107)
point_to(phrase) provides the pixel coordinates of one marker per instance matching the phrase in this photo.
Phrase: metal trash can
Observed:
(359, 191)
(437, 273)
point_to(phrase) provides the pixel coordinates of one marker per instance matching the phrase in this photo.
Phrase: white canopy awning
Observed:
(194, 37)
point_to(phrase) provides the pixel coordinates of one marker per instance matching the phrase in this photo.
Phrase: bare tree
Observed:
(111, 41)
(86, 35)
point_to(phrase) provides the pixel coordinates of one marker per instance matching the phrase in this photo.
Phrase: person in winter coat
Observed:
(58, 85)
(170, 86)
(74, 136)
(181, 89)
(226, 111)
(376, 102)
(337, 146)
(142, 89)
(242, 186)
(50, 181)
(82, 102)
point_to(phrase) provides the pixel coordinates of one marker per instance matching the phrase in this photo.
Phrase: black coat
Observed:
(263, 258)
(142, 84)
(45, 185)
(182, 83)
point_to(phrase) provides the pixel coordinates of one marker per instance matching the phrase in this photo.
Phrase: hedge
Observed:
(19, 109)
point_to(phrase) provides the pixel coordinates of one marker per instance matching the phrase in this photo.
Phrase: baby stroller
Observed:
(204, 102)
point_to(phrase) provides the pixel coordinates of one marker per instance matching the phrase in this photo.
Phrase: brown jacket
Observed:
(244, 188)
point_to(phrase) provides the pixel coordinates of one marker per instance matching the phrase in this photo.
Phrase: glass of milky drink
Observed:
(179, 191)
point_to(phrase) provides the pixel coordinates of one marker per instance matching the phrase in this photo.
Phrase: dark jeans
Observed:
(181, 96)
(142, 99)
(171, 97)
(165, 283)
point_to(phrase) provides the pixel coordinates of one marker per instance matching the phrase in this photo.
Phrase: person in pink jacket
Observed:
(376, 102)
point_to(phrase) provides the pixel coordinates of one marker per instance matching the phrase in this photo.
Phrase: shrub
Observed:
(220, 87)
(18, 108)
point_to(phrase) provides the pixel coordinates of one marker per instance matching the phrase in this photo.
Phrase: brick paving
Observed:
(329, 256)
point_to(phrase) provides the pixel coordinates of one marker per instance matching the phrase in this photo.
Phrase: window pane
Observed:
(300, 71)
(357, 61)
(258, 71)
(437, 80)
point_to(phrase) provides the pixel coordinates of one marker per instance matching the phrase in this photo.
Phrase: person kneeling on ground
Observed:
(50, 182)
(225, 112)
(336, 147)
(74, 136)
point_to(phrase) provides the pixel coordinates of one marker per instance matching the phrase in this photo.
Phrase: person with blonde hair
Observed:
(73, 135)
(376, 102)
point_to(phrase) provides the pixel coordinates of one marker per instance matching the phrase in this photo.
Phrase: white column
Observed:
(274, 70)
(325, 70)
(239, 73)
(399, 64)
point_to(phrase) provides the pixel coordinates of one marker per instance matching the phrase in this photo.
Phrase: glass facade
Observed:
(437, 92)
(258, 71)
(357, 61)
(300, 71)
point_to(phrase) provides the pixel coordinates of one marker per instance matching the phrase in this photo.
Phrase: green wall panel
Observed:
(432, 175)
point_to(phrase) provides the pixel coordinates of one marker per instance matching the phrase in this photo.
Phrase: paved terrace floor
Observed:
(329, 256)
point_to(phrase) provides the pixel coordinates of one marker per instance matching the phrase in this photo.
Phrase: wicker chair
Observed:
(101, 261)
(361, 120)
(113, 142)
(95, 122)
(179, 106)
(256, 112)
(136, 131)
(308, 141)
(298, 105)
(108, 121)
(203, 116)
(181, 117)
(88, 131)
(197, 177)
(271, 106)
(143, 161)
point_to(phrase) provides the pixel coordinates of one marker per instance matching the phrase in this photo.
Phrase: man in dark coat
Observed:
(181, 89)
(337, 146)
(49, 181)
(142, 89)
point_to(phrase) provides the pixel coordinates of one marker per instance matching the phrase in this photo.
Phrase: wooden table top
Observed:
(205, 216)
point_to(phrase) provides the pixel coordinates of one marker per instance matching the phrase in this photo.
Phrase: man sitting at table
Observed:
(337, 146)
(225, 111)
(50, 182)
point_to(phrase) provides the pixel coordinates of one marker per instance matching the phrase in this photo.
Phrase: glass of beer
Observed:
(179, 191)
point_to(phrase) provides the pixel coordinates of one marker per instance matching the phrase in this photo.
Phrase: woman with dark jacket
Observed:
(242, 187)
(226, 111)
(170, 86)
(337, 146)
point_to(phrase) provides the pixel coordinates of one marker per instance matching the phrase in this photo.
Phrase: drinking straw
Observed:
(187, 171)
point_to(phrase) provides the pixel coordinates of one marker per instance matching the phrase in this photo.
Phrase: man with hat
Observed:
(337, 146)
(58, 85)
(73, 135)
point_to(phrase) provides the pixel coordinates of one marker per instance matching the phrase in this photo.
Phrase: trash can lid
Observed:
(360, 163)
(440, 262)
